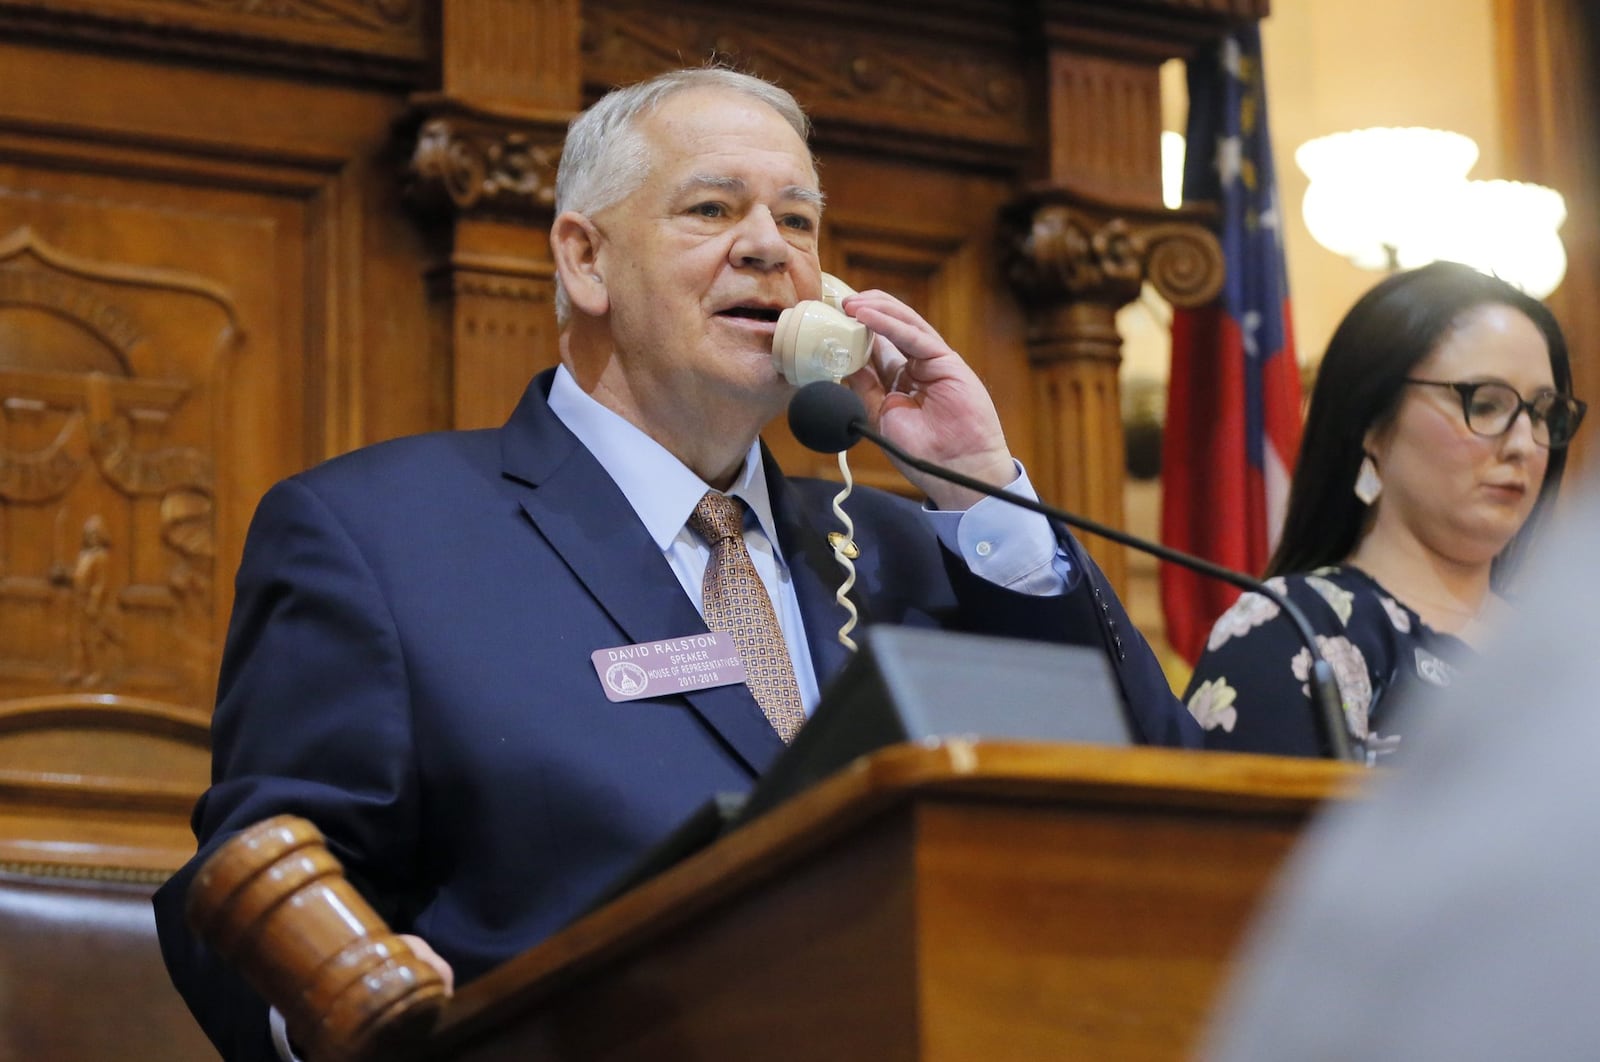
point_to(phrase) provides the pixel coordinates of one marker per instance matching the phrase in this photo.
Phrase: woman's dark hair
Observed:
(1377, 345)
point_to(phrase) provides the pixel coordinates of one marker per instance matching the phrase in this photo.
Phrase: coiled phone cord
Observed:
(844, 549)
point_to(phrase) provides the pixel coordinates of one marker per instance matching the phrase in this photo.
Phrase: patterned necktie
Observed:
(735, 601)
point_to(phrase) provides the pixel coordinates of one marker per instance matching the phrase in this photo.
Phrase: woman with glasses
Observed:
(1433, 451)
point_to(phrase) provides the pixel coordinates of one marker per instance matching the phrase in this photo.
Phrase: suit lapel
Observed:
(585, 518)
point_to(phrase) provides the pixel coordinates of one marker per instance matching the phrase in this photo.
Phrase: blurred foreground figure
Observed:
(1455, 915)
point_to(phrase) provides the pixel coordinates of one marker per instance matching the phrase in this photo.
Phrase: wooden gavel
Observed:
(274, 903)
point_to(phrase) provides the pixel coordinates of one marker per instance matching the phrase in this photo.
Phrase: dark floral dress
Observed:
(1251, 691)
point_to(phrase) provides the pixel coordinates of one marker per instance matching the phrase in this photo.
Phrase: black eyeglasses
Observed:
(1491, 408)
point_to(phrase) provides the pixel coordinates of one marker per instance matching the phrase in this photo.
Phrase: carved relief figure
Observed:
(93, 628)
(105, 379)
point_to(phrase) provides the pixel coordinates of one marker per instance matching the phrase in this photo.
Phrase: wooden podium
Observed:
(955, 901)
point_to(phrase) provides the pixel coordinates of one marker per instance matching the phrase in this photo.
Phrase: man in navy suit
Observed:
(410, 659)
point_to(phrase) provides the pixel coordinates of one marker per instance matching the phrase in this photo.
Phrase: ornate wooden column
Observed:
(1549, 87)
(1075, 266)
(483, 175)
(1081, 240)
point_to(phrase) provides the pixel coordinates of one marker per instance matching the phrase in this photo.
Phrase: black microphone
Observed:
(829, 417)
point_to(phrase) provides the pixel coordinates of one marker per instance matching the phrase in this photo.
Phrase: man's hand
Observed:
(921, 395)
(426, 953)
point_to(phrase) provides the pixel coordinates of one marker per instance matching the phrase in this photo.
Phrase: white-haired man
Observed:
(412, 659)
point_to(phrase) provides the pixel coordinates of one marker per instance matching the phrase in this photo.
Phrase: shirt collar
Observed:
(661, 488)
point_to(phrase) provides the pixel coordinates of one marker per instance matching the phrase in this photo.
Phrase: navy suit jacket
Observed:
(408, 666)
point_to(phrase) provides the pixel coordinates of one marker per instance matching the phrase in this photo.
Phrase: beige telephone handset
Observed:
(816, 340)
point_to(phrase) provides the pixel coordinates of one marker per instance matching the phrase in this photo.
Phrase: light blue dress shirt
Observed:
(999, 542)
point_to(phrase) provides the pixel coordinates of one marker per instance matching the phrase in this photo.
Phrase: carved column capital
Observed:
(1058, 252)
(468, 160)
(482, 180)
(1074, 263)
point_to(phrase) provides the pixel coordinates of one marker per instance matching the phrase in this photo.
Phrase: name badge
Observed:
(661, 669)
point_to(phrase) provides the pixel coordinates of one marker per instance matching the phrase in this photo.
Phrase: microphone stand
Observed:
(1324, 688)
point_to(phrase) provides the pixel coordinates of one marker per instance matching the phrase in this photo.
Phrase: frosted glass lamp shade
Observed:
(1373, 190)
(1505, 228)
(1400, 198)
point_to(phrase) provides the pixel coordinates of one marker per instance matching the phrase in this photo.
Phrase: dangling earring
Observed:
(1368, 483)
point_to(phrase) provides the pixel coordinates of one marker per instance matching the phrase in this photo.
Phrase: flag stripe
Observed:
(1233, 401)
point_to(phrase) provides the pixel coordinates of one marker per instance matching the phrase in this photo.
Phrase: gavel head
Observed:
(274, 903)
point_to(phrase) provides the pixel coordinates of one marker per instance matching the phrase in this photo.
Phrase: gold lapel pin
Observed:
(843, 545)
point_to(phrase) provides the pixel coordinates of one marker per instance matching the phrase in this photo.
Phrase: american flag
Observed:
(1233, 402)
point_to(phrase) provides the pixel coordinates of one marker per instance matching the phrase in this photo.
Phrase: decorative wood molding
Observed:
(473, 160)
(70, 826)
(501, 327)
(64, 793)
(104, 427)
(863, 88)
(511, 51)
(54, 872)
(107, 711)
(43, 474)
(1058, 252)
(1151, 29)
(383, 41)
(383, 16)
(985, 24)
(1104, 123)
(115, 798)
(384, 19)
(24, 243)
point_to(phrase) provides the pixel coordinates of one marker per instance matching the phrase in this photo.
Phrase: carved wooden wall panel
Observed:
(185, 317)
(889, 80)
(384, 39)
(239, 236)
(111, 376)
